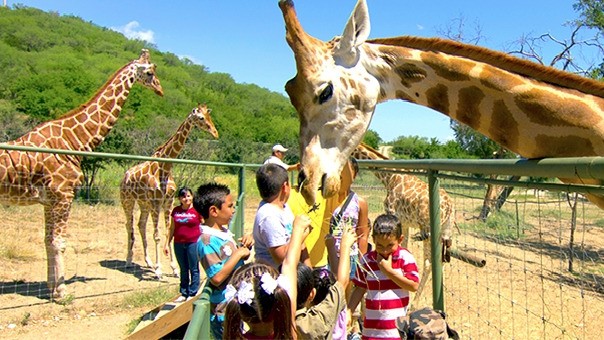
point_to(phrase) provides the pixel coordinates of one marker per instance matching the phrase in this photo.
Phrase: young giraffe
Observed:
(533, 110)
(151, 185)
(407, 198)
(50, 179)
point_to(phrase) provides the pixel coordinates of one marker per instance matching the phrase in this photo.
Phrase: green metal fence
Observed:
(588, 168)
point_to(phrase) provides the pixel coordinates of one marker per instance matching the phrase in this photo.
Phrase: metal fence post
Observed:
(435, 258)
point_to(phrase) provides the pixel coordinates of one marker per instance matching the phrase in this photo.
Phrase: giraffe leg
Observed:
(56, 216)
(142, 229)
(157, 239)
(128, 207)
(426, 272)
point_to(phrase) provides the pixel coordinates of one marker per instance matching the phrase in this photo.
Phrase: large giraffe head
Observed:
(200, 116)
(334, 95)
(145, 73)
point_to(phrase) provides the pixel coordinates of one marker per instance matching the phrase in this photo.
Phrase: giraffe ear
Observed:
(355, 33)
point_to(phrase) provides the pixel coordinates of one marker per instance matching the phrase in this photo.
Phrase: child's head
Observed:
(323, 280)
(387, 234)
(263, 307)
(185, 194)
(270, 178)
(305, 285)
(214, 200)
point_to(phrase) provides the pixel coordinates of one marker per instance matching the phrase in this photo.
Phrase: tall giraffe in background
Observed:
(50, 179)
(407, 198)
(530, 109)
(151, 185)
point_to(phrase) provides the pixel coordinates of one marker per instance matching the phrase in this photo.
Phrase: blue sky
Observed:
(246, 38)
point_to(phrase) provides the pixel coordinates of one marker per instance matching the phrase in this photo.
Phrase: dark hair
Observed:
(305, 284)
(323, 279)
(269, 179)
(355, 166)
(209, 195)
(182, 192)
(265, 307)
(387, 225)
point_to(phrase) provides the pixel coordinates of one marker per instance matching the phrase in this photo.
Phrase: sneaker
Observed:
(355, 336)
(181, 298)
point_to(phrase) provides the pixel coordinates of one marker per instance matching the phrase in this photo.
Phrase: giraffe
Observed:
(50, 179)
(151, 185)
(407, 198)
(533, 110)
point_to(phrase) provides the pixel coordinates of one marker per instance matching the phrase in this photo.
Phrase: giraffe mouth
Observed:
(306, 188)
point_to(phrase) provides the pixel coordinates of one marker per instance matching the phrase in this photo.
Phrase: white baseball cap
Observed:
(279, 147)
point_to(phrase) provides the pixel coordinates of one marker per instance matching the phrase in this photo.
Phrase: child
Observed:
(273, 222)
(264, 300)
(184, 229)
(217, 250)
(352, 211)
(319, 301)
(387, 274)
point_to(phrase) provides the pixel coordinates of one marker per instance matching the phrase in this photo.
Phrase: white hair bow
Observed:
(245, 293)
(269, 284)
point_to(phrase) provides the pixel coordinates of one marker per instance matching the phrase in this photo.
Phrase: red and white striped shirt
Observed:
(385, 301)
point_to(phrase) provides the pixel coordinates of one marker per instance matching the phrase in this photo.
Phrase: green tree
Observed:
(372, 138)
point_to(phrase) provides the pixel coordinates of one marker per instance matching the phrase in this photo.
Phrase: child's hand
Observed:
(349, 237)
(247, 240)
(302, 225)
(243, 253)
(385, 264)
(166, 250)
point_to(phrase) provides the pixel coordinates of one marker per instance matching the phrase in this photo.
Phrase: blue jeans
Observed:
(186, 255)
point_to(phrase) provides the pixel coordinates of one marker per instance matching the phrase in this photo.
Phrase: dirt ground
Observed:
(524, 291)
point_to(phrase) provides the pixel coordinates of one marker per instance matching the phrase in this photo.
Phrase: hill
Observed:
(51, 63)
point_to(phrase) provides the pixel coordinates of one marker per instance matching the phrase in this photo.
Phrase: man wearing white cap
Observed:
(277, 158)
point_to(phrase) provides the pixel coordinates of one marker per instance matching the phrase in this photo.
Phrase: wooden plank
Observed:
(166, 318)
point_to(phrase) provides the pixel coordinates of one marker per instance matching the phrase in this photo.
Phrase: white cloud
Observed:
(420, 27)
(191, 58)
(131, 31)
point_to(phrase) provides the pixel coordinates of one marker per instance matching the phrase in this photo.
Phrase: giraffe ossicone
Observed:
(151, 185)
(34, 177)
(533, 110)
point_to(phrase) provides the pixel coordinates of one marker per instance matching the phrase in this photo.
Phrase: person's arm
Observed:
(228, 267)
(169, 237)
(362, 229)
(397, 277)
(348, 239)
(293, 167)
(332, 253)
(355, 297)
(278, 253)
(289, 269)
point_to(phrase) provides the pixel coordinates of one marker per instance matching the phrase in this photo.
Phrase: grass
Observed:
(17, 252)
(146, 298)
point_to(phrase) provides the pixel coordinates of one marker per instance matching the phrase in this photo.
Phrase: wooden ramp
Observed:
(163, 319)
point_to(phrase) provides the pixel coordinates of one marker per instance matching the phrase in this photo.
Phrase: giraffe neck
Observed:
(174, 145)
(84, 128)
(532, 117)
(363, 153)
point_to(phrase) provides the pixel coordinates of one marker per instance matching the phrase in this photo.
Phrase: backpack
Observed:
(425, 323)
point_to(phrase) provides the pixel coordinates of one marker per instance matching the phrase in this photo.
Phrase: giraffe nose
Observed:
(323, 185)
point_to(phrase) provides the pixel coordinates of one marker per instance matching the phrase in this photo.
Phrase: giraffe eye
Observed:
(326, 94)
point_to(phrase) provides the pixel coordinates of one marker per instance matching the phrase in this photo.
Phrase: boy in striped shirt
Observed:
(385, 276)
